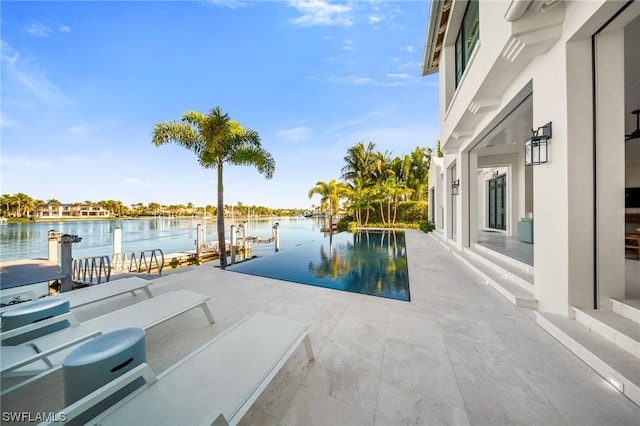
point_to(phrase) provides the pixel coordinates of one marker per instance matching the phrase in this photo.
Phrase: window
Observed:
(467, 38)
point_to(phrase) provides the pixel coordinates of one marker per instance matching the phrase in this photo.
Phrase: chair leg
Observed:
(207, 312)
(308, 348)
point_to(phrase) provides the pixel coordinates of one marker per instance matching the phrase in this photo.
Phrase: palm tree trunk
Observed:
(330, 217)
(395, 210)
(222, 246)
(389, 211)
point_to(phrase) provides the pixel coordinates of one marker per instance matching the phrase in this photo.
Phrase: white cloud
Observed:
(374, 19)
(231, 4)
(77, 130)
(399, 75)
(409, 49)
(348, 45)
(295, 134)
(26, 163)
(7, 121)
(64, 29)
(361, 81)
(131, 181)
(410, 65)
(398, 140)
(30, 76)
(39, 30)
(321, 12)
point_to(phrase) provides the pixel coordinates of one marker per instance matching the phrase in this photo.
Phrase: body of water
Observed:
(20, 241)
(369, 262)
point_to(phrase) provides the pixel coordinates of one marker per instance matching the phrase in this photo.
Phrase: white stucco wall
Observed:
(556, 58)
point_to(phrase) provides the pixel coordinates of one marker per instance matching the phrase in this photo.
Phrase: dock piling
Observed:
(66, 262)
(199, 242)
(53, 246)
(276, 236)
(117, 241)
(233, 244)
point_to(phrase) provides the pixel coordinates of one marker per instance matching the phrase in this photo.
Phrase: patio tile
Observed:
(311, 407)
(364, 334)
(416, 328)
(592, 401)
(257, 417)
(346, 373)
(491, 367)
(420, 370)
(398, 406)
(489, 406)
(276, 398)
(467, 326)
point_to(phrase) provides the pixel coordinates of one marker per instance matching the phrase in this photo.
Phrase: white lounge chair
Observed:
(215, 385)
(145, 315)
(84, 296)
(14, 296)
(97, 293)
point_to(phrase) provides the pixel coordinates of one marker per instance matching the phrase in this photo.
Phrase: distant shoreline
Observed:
(92, 219)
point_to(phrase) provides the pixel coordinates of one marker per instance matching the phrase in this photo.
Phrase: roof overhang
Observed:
(438, 21)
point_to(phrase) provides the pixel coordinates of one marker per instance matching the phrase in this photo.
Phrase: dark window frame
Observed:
(467, 38)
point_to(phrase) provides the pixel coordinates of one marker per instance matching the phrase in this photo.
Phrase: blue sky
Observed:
(83, 84)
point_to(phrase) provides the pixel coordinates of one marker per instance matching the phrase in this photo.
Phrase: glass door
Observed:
(497, 202)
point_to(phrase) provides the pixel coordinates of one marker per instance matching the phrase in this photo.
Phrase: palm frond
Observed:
(179, 133)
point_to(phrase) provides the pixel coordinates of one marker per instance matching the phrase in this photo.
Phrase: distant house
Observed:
(70, 211)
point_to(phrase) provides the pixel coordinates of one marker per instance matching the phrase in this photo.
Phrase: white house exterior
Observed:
(67, 211)
(506, 68)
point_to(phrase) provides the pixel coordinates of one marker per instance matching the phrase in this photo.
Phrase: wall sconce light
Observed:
(536, 147)
(636, 133)
(455, 187)
(495, 175)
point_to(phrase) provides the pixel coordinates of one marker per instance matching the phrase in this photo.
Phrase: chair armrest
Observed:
(46, 353)
(82, 405)
(69, 317)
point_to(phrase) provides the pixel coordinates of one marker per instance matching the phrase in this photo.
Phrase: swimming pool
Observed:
(370, 262)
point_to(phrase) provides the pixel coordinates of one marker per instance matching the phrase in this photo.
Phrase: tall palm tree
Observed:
(330, 194)
(381, 167)
(359, 164)
(418, 178)
(216, 139)
(153, 206)
(22, 202)
(358, 173)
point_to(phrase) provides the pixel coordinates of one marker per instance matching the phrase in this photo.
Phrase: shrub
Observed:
(427, 226)
(408, 212)
(344, 223)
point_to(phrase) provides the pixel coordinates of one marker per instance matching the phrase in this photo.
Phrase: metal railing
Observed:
(91, 270)
(143, 261)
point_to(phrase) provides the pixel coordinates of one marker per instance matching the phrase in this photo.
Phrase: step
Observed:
(614, 364)
(503, 258)
(616, 328)
(628, 308)
(501, 282)
(520, 273)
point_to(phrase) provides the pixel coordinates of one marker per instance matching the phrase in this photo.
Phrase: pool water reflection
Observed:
(370, 262)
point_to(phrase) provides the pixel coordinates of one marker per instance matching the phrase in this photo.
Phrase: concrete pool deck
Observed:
(458, 353)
